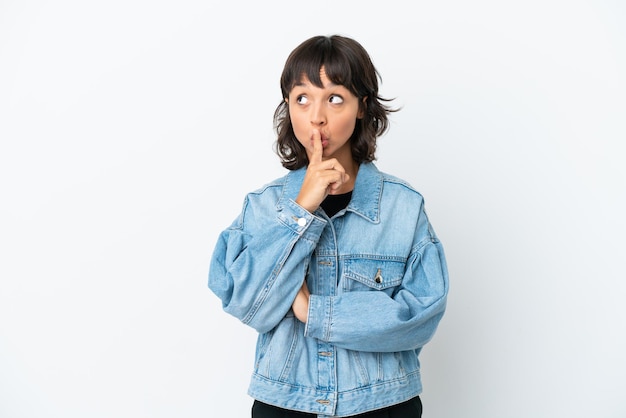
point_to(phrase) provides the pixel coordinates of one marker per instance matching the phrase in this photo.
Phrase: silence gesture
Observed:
(323, 177)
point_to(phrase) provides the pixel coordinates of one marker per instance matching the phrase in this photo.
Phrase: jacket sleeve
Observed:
(259, 262)
(373, 320)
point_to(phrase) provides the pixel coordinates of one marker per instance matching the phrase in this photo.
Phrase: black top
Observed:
(335, 202)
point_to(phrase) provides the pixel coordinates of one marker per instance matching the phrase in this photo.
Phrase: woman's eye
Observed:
(302, 99)
(335, 99)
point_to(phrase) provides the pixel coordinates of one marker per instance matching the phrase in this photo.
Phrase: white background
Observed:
(132, 129)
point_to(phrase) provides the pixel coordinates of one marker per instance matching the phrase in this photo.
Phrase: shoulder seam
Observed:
(395, 180)
(276, 183)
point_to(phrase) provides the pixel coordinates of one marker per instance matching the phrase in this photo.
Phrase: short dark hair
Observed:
(346, 63)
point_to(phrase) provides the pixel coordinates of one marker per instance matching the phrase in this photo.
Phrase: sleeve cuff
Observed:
(301, 221)
(318, 320)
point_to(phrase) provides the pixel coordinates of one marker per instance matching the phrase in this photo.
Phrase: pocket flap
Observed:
(375, 273)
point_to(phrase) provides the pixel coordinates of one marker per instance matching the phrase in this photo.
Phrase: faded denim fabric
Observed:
(378, 281)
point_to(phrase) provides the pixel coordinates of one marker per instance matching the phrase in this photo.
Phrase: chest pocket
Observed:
(361, 274)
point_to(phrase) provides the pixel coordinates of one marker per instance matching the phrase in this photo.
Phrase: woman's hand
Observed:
(300, 304)
(323, 177)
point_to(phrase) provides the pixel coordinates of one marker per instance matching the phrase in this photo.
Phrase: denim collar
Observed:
(366, 195)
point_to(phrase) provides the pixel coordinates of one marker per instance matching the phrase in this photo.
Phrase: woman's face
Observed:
(332, 110)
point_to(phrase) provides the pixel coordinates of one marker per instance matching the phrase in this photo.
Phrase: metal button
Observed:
(301, 221)
(379, 277)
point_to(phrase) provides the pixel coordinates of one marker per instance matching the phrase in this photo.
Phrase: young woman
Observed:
(335, 264)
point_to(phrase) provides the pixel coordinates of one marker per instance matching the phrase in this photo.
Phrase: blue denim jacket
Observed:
(378, 281)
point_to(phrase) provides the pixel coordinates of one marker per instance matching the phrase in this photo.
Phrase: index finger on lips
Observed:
(318, 149)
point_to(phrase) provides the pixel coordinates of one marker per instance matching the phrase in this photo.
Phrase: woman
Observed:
(335, 264)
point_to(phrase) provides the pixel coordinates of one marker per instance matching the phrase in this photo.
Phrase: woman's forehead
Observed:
(325, 82)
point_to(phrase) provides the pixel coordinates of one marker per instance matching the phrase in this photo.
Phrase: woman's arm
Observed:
(375, 321)
(259, 263)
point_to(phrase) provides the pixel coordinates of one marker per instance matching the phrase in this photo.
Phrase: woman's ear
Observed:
(362, 108)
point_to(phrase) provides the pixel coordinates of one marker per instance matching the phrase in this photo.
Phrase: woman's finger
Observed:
(318, 149)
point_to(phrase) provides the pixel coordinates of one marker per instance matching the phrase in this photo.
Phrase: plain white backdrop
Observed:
(131, 130)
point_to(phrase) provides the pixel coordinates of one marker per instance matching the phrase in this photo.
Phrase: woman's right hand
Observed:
(323, 177)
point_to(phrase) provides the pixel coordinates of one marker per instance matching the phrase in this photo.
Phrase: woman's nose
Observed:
(318, 116)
